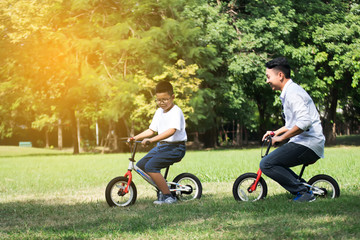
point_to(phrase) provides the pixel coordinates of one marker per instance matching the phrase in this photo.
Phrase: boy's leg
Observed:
(277, 165)
(160, 182)
(143, 161)
(166, 155)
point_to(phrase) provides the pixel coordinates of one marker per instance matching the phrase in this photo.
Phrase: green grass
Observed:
(49, 194)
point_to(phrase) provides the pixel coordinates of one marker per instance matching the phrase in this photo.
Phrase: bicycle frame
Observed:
(144, 175)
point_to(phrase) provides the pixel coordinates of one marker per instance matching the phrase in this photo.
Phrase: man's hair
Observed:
(280, 64)
(164, 86)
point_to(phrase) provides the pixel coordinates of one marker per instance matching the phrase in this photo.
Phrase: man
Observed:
(302, 127)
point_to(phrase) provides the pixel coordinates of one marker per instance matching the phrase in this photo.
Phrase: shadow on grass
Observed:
(352, 140)
(273, 218)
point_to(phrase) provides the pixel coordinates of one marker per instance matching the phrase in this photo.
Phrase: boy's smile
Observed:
(165, 101)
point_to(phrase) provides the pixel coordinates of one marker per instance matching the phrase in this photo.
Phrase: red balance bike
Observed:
(121, 191)
(252, 187)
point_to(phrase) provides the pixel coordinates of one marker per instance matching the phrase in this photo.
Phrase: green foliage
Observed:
(185, 84)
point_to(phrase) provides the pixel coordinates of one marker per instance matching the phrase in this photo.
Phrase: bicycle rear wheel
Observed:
(243, 183)
(115, 192)
(187, 187)
(324, 186)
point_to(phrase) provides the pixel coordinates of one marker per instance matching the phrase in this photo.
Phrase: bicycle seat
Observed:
(307, 164)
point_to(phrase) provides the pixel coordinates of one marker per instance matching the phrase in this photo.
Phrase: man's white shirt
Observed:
(300, 110)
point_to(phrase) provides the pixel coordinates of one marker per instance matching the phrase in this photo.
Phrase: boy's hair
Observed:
(164, 86)
(280, 64)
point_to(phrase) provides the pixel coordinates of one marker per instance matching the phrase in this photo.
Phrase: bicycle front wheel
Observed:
(187, 187)
(242, 184)
(324, 186)
(115, 192)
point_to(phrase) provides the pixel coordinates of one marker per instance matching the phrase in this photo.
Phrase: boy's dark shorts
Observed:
(162, 156)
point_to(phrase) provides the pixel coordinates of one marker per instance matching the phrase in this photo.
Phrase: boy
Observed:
(302, 127)
(169, 123)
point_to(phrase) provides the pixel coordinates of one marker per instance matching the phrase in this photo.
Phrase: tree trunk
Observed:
(97, 133)
(74, 132)
(78, 133)
(210, 138)
(60, 136)
(239, 133)
(111, 138)
(330, 117)
(47, 145)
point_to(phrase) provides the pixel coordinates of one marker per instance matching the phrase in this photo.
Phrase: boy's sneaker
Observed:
(160, 198)
(305, 197)
(170, 200)
(166, 200)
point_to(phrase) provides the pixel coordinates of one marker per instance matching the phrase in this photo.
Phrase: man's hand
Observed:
(268, 133)
(275, 140)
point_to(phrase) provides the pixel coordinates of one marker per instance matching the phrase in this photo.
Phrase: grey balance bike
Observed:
(121, 191)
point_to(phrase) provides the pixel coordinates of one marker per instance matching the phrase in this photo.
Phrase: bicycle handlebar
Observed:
(268, 139)
(134, 141)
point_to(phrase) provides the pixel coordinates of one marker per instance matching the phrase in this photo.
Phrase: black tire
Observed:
(116, 197)
(326, 183)
(188, 187)
(242, 184)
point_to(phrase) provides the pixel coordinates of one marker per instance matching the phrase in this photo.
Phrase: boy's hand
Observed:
(146, 141)
(130, 139)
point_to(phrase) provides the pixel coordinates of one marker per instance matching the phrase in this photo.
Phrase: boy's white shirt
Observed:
(174, 118)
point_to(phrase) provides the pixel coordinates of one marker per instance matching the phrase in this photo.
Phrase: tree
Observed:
(337, 62)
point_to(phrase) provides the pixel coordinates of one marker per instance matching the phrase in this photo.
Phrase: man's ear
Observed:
(281, 76)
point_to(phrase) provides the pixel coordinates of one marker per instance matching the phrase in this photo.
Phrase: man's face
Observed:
(274, 78)
(165, 101)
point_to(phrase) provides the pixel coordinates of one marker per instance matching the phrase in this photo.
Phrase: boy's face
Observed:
(165, 101)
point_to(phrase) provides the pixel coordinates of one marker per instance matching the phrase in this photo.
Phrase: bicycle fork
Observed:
(254, 185)
(144, 175)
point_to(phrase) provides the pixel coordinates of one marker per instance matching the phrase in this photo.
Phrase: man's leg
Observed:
(277, 165)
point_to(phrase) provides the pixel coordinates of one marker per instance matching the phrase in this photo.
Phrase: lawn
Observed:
(49, 194)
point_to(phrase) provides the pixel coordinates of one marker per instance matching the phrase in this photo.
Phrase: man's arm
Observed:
(288, 134)
(275, 133)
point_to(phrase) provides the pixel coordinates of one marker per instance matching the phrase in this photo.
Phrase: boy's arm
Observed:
(145, 134)
(162, 136)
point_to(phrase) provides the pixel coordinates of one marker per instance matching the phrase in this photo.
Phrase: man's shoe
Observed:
(305, 197)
